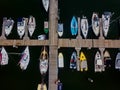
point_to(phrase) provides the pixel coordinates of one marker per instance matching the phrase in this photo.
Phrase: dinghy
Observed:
(74, 26)
(98, 62)
(84, 26)
(21, 27)
(106, 22)
(3, 57)
(60, 60)
(107, 59)
(43, 65)
(31, 25)
(83, 62)
(117, 61)
(42, 37)
(8, 25)
(60, 29)
(45, 4)
(73, 61)
(42, 87)
(46, 28)
(95, 24)
(25, 58)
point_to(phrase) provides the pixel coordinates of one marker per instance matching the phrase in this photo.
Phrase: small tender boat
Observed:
(84, 26)
(73, 61)
(60, 60)
(3, 57)
(42, 37)
(60, 29)
(95, 23)
(21, 27)
(46, 27)
(42, 87)
(25, 58)
(8, 25)
(83, 62)
(117, 61)
(43, 61)
(74, 26)
(107, 59)
(45, 4)
(106, 22)
(99, 66)
(31, 25)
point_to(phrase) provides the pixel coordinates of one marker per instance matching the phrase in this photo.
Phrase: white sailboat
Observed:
(3, 57)
(106, 22)
(117, 61)
(45, 4)
(8, 25)
(95, 23)
(60, 60)
(84, 26)
(99, 65)
(31, 25)
(60, 29)
(25, 58)
(21, 27)
(42, 37)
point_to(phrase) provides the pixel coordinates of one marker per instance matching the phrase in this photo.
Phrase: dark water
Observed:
(13, 78)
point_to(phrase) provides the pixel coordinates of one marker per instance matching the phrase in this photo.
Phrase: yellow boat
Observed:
(43, 61)
(83, 62)
(42, 87)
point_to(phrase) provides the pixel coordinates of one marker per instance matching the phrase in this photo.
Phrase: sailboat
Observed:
(74, 26)
(60, 29)
(3, 57)
(95, 24)
(8, 25)
(117, 61)
(31, 25)
(25, 58)
(73, 61)
(46, 27)
(84, 26)
(99, 65)
(43, 65)
(83, 62)
(21, 27)
(106, 22)
(42, 37)
(42, 86)
(45, 4)
(107, 59)
(60, 60)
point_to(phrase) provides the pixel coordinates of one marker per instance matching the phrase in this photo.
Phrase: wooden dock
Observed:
(54, 43)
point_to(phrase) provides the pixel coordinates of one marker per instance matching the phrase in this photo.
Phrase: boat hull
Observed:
(74, 26)
(84, 27)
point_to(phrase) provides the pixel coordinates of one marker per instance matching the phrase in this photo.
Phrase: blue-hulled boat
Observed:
(74, 26)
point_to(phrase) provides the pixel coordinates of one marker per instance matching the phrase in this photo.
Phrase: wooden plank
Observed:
(24, 42)
(53, 53)
(66, 42)
(95, 43)
(53, 44)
